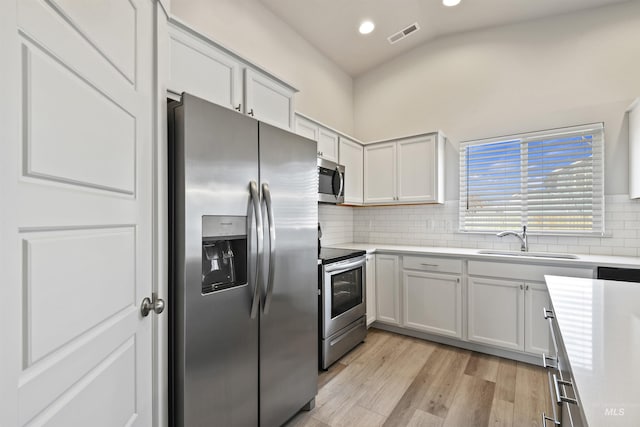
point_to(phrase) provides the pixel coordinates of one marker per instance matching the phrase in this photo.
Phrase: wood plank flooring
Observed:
(394, 380)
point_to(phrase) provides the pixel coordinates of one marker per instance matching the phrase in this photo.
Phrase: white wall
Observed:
(566, 70)
(254, 32)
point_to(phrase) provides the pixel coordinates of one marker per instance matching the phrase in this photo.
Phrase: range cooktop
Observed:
(329, 255)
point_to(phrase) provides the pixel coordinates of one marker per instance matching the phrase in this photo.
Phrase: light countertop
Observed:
(599, 321)
(582, 260)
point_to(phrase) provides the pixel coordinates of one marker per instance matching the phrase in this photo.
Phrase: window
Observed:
(551, 181)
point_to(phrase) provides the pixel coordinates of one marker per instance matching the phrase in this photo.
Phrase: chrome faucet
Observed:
(524, 245)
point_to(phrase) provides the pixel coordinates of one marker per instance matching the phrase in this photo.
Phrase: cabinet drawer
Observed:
(526, 272)
(442, 265)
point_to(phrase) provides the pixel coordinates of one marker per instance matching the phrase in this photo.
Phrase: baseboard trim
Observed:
(507, 354)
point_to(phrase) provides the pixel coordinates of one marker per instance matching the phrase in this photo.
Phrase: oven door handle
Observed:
(331, 268)
(266, 192)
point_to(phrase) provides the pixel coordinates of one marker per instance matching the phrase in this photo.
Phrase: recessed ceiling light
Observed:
(366, 27)
(450, 2)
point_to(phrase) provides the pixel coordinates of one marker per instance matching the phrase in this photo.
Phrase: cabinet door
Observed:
(380, 173)
(417, 169)
(536, 334)
(496, 312)
(371, 289)
(306, 128)
(328, 144)
(201, 70)
(433, 303)
(351, 156)
(634, 151)
(267, 100)
(387, 289)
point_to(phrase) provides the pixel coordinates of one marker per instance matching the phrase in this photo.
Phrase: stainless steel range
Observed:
(342, 302)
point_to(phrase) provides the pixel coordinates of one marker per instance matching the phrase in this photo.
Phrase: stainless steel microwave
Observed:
(330, 182)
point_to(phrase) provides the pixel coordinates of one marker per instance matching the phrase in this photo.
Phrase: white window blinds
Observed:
(551, 181)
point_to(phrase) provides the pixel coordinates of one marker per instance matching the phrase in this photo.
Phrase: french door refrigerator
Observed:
(243, 275)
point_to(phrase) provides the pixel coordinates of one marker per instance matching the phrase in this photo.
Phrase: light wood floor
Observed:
(393, 380)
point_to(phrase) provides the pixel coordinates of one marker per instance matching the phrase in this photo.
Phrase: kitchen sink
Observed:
(529, 254)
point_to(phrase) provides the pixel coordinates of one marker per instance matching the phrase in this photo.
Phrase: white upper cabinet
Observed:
(408, 170)
(199, 68)
(351, 157)
(267, 100)
(306, 128)
(326, 138)
(380, 173)
(205, 69)
(419, 170)
(634, 150)
(328, 144)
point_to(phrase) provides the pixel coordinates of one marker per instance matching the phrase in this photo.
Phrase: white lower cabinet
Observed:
(536, 334)
(433, 302)
(387, 289)
(371, 288)
(496, 312)
(506, 311)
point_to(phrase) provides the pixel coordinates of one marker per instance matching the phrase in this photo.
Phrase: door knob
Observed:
(157, 305)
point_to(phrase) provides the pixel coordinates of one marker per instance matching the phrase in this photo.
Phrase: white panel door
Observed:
(351, 157)
(268, 100)
(79, 237)
(496, 312)
(433, 303)
(536, 333)
(417, 169)
(371, 289)
(387, 289)
(380, 173)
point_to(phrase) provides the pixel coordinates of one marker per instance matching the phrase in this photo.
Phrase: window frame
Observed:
(524, 140)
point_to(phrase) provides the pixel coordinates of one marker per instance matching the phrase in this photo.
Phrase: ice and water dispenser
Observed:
(224, 252)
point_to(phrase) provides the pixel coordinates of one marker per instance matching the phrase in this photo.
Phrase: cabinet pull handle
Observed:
(545, 419)
(561, 397)
(548, 314)
(526, 287)
(546, 358)
(521, 287)
(426, 264)
(250, 112)
(239, 107)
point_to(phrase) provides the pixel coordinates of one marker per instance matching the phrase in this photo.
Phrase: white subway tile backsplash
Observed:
(437, 225)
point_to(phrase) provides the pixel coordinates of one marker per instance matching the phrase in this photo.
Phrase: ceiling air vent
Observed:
(405, 32)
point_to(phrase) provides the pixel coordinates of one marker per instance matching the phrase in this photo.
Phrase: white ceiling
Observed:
(332, 25)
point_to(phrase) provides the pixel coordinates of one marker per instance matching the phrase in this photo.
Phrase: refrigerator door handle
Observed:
(266, 193)
(255, 199)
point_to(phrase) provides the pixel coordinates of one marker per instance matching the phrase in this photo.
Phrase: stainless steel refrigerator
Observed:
(243, 251)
